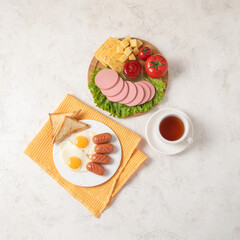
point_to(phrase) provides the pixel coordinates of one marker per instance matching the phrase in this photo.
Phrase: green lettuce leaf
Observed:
(120, 110)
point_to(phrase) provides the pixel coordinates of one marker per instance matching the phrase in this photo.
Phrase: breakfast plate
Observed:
(120, 100)
(152, 134)
(89, 179)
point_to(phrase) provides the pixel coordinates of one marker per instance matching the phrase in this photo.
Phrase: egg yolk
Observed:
(81, 141)
(74, 162)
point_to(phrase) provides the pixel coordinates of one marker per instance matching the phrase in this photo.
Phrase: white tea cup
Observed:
(184, 137)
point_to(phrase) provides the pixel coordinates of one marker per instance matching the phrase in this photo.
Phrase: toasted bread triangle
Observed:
(57, 119)
(69, 126)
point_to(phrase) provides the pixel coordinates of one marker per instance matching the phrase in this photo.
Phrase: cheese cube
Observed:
(128, 38)
(133, 43)
(132, 57)
(128, 51)
(119, 49)
(139, 43)
(124, 43)
(123, 58)
(135, 51)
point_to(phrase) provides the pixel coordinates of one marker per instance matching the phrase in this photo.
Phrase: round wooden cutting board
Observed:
(95, 63)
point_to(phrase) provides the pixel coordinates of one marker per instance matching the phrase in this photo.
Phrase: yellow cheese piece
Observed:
(128, 51)
(139, 43)
(108, 54)
(132, 57)
(119, 49)
(115, 63)
(110, 51)
(123, 58)
(100, 59)
(125, 43)
(103, 46)
(102, 49)
(133, 43)
(135, 51)
(111, 44)
(128, 38)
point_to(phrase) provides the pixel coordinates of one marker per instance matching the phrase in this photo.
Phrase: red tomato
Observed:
(144, 53)
(156, 66)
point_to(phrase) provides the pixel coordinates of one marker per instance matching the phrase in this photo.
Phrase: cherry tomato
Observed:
(156, 66)
(144, 53)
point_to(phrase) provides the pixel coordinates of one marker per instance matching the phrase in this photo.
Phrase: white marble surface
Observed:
(45, 49)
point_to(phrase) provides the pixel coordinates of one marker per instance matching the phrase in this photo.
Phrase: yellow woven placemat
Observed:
(95, 199)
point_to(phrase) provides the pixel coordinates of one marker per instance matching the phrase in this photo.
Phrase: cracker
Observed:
(69, 126)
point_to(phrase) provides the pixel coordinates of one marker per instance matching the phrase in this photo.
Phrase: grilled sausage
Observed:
(104, 148)
(100, 158)
(95, 168)
(102, 138)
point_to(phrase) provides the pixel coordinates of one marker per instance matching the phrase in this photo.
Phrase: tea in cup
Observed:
(173, 128)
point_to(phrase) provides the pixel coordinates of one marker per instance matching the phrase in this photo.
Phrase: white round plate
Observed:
(89, 179)
(156, 143)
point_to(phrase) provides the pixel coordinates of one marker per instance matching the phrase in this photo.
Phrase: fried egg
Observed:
(73, 157)
(83, 140)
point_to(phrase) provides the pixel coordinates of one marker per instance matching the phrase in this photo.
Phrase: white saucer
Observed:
(89, 179)
(156, 143)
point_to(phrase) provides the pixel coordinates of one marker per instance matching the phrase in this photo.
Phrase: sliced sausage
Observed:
(132, 93)
(95, 168)
(102, 138)
(147, 92)
(104, 148)
(106, 79)
(100, 158)
(114, 90)
(152, 89)
(139, 97)
(122, 95)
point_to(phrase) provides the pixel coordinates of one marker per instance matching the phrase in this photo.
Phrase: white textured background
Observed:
(45, 49)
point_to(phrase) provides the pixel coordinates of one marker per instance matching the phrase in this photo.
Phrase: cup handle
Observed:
(189, 140)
